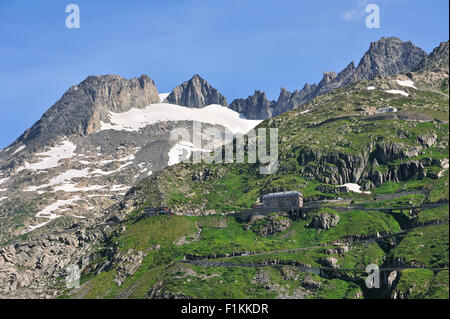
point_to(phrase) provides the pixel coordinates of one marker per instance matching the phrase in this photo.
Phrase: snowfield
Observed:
(135, 119)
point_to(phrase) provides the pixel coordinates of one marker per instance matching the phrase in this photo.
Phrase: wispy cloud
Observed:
(357, 12)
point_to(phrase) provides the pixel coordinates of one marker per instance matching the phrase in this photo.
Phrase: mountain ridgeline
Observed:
(386, 57)
(84, 106)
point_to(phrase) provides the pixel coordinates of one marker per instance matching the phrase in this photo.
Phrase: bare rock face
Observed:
(83, 106)
(389, 56)
(255, 107)
(118, 94)
(437, 61)
(128, 262)
(324, 221)
(267, 226)
(196, 93)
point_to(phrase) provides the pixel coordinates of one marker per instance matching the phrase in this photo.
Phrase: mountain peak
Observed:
(256, 106)
(83, 106)
(389, 56)
(196, 92)
(438, 60)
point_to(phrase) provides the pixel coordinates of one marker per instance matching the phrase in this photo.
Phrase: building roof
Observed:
(282, 194)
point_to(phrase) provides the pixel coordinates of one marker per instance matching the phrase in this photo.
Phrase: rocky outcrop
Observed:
(437, 61)
(324, 221)
(34, 263)
(261, 278)
(333, 168)
(83, 106)
(196, 93)
(399, 163)
(128, 262)
(287, 100)
(330, 262)
(267, 226)
(387, 57)
(255, 107)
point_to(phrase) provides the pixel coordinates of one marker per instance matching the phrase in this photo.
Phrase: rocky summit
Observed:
(81, 109)
(255, 107)
(98, 185)
(196, 93)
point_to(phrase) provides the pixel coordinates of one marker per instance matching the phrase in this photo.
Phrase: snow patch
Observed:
(397, 92)
(63, 180)
(407, 83)
(354, 188)
(123, 159)
(20, 148)
(370, 88)
(71, 188)
(117, 188)
(47, 212)
(51, 157)
(99, 172)
(3, 198)
(135, 119)
(181, 151)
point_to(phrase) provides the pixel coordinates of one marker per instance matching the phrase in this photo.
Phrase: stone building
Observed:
(388, 109)
(285, 200)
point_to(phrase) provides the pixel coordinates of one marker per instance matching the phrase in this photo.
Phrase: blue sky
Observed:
(237, 45)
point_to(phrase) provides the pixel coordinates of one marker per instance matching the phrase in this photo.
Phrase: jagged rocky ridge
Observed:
(386, 57)
(437, 61)
(196, 93)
